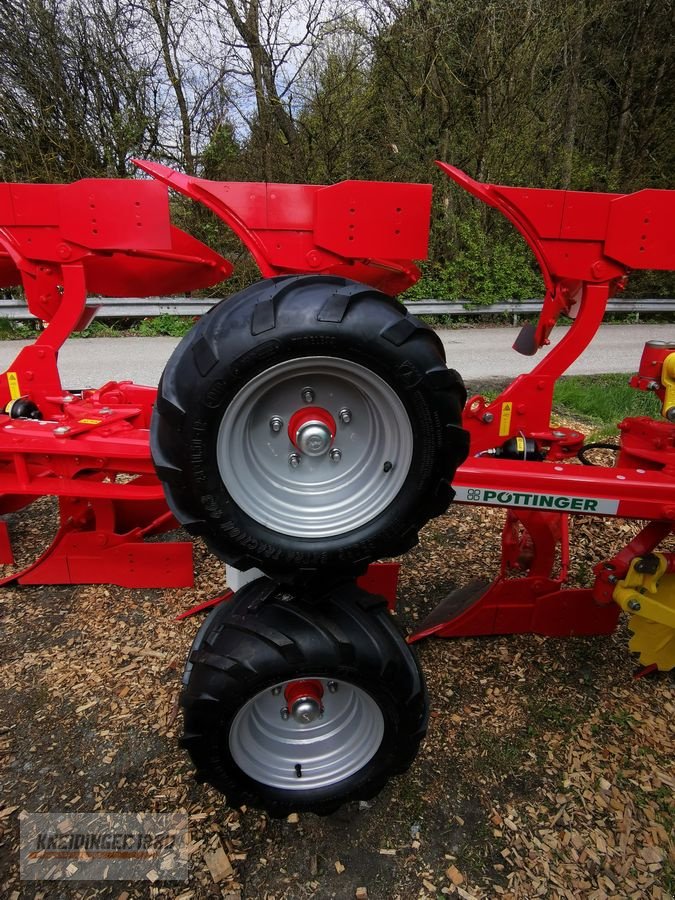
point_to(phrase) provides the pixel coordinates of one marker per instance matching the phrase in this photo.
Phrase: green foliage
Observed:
(166, 324)
(173, 326)
(11, 329)
(103, 328)
(488, 268)
(604, 400)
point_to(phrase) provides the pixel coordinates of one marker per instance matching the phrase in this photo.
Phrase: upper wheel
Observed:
(306, 423)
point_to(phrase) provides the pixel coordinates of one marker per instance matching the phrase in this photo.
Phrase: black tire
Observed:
(282, 321)
(266, 636)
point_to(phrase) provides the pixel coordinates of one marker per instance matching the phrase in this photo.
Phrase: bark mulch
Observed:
(548, 770)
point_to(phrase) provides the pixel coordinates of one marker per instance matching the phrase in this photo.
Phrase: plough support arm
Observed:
(581, 238)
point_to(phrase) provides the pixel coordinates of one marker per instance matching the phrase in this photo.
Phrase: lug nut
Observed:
(332, 687)
(336, 455)
(294, 460)
(276, 424)
(285, 713)
(276, 690)
(634, 605)
(345, 416)
(307, 395)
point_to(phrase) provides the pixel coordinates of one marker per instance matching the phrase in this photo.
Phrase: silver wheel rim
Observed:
(269, 748)
(319, 496)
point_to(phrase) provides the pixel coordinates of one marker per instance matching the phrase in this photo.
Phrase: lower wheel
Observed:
(308, 424)
(297, 705)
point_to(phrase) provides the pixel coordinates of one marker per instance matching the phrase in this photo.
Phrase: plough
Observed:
(308, 427)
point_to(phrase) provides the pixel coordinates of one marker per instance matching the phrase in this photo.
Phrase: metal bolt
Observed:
(294, 460)
(307, 395)
(336, 454)
(388, 466)
(285, 713)
(653, 386)
(634, 605)
(345, 416)
(68, 398)
(105, 410)
(276, 424)
(558, 434)
(488, 417)
(612, 579)
(333, 686)
(670, 414)
(62, 429)
(276, 690)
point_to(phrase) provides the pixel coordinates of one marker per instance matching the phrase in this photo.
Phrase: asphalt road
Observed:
(477, 353)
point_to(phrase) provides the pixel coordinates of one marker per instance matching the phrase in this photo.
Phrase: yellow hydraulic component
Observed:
(668, 381)
(648, 595)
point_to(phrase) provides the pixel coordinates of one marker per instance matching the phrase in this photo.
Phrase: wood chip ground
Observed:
(547, 772)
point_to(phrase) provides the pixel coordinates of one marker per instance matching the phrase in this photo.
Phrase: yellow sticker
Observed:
(90, 421)
(520, 445)
(505, 419)
(13, 382)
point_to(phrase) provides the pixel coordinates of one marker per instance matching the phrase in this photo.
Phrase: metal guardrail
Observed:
(138, 308)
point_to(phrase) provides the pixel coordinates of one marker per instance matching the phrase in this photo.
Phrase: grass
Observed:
(603, 400)
(173, 326)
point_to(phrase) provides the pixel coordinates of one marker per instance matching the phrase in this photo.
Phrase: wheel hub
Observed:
(313, 438)
(312, 430)
(304, 700)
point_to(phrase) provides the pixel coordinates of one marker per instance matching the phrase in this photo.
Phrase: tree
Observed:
(82, 105)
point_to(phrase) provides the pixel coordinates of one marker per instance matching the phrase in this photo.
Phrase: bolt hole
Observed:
(397, 231)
